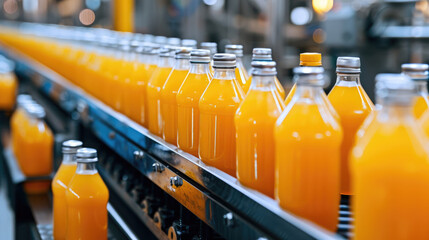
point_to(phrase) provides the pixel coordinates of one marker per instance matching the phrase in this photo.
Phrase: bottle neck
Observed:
(391, 112)
(224, 73)
(86, 168)
(262, 82)
(239, 62)
(165, 62)
(308, 91)
(199, 68)
(422, 87)
(347, 79)
(69, 158)
(182, 64)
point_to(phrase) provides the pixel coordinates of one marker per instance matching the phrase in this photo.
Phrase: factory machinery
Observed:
(156, 190)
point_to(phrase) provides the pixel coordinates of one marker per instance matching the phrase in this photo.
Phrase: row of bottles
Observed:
(32, 142)
(304, 151)
(79, 195)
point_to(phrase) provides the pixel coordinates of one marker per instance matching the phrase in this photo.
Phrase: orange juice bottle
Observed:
(169, 93)
(59, 187)
(353, 105)
(8, 86)
(35, 144)
(264, 54)
(390, 169)
(418, 72)
(218, 105)
(189, 43)
(212, 47)
(145, 65)
(188, 96)
(87, 198)
(254, 123)
(240, 70)
(307, 151)
(17, 119)
(154, 87)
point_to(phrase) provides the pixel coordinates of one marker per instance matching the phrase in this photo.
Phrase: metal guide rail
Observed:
(233, 211)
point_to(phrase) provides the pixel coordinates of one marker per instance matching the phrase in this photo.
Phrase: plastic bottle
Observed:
(188, 97)
(307, 151)
(218, 105)
(59, 187)
(352, 105)
(87, 198)
(169, 93)
(390, 169)
(264, 54)
(419, 73)
(240, 71)
(254, 123)
(154, 87)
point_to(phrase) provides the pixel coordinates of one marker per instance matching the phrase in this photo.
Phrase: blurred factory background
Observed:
(383, 34)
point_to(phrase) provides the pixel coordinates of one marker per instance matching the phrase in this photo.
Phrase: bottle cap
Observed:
(262, 54)
(416, 71)
(183, 53)
(167, 51)
(395, 88)
(348, 65)
(86, 155)
(234, 49)
(23, 98)
(200, 56)
(224, 60)
(310, 59)
(160, 40)
(211, 46)
(35, 110)
(310, 76)
(173, 41)
(71, 146)
(264, 68)
(189, 43)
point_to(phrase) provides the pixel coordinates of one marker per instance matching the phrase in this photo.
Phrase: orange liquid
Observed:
(390, 173)
(290, 94)
(8, 88)
(35, 146)
(87, 198)
(217, 107)
(59, 189)
(279, 87)
(153, 94)
(169, 104)
(241, 76)
(307, 150)
(254, 123)
(188, 114)
(420, 106)
(17, 121)
(353, 105)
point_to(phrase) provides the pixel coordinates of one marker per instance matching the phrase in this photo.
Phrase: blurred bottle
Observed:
(390, 168)
(353, 105)
(18, 118)
(35, 146)
(218, 105)
(169, 93)
(123, 15)
(87, 198)
(59, 187)
(145, 61)
(8, 85)
(189, 43)
(212, 47)
(254, 123)
(307, 151)
(154, 87)
(240, 71)
(419, 73)
(264, 54)
(188, 97)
